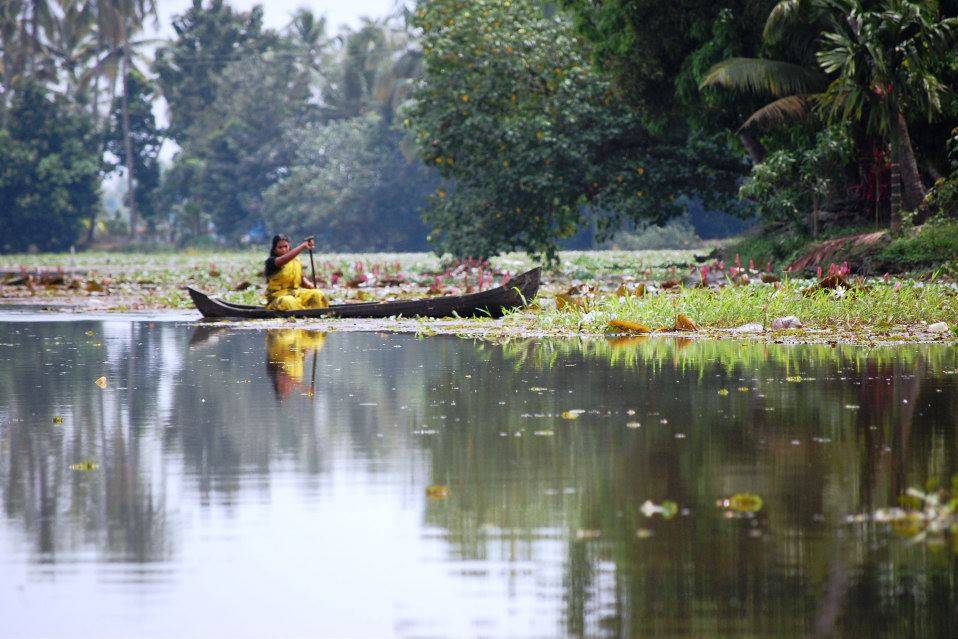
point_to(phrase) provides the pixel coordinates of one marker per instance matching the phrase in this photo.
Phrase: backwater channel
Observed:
(235, 482)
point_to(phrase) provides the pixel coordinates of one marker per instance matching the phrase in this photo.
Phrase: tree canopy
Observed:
(49, 172)
(537, 141)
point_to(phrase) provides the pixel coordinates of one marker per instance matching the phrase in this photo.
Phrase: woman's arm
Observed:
(283, 259)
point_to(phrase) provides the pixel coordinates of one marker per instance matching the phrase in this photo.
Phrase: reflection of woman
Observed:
(285, 281)
(286, 350)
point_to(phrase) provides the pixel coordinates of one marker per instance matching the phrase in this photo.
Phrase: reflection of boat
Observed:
(494, 302)
(286, 350)
(205, 334)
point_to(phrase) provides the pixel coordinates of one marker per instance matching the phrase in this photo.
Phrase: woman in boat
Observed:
(285, 283)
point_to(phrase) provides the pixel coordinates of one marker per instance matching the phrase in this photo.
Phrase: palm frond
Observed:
(792, 107)
(758, 75)
(781, 14)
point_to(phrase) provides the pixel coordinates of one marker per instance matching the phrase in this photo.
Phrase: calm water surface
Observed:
(254, 483)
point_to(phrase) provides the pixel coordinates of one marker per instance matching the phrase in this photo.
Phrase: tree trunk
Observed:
(895, 195)
(913, 189)
(756, 150)
(127, 138)
(815, 215)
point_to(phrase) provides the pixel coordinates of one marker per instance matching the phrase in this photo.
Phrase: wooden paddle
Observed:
(312, 265)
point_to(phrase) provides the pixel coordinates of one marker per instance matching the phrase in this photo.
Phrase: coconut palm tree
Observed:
(884, 65)
(117, 20)
(73, 46)
(862, 67)
(793, 29)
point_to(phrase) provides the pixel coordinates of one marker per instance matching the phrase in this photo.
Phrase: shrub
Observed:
(934, 243)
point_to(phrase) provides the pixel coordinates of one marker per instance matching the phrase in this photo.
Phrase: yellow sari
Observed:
(283, 292)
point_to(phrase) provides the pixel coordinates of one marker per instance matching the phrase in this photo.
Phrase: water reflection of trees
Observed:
(48, 371)
(199, 407)
(857, 429)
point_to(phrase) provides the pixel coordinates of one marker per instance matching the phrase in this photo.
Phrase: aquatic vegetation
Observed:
(742, 503)
(924, 516)
(666, 510)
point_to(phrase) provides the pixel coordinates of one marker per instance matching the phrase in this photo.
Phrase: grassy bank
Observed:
(879, 307)
(931, 247)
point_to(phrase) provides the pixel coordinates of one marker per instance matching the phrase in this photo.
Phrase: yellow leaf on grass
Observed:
(683, 323)
(623, 291)
(101, 382)
(564, 300)
(632, 327)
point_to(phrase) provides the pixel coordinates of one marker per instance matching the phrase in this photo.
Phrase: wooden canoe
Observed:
(520, 290)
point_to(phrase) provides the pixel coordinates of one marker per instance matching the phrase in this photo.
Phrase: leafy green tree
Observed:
(659, 52)
(145, 143)
(511, 109)
(351, 185)
(209, 37)
(183, 217)
(239, 140)
(49, 172)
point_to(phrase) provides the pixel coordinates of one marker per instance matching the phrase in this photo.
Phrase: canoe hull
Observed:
(492, 303)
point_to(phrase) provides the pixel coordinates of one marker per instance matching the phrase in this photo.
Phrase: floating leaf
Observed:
(587, 534)
(544, 433)
(89, 333)
(632, 327)
(723, 392)
(667, 509)
(742, 503)
(633, 425)
(743, 389)
(572, 414)
(438, 491)
(101, 382)
(84, 466)
(795, 379)
(57, 419)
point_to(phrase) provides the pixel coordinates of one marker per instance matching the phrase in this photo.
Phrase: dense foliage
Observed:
(352, 186)
(516, 125)
(49, 172)
(537, 141)
(290, 132)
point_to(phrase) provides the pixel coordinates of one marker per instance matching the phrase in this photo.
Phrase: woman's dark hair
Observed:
(276, 240)
(271, 267)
